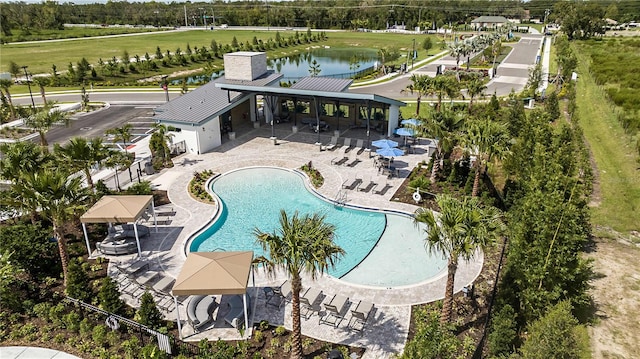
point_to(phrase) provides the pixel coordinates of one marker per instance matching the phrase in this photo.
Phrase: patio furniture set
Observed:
(121, 239)
(331, 310)
(136, 278)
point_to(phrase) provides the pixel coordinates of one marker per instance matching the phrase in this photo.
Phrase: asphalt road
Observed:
(512, 73)
(96, 123)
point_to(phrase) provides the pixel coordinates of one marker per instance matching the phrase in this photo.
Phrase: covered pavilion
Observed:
(214, 273)
(118, 209)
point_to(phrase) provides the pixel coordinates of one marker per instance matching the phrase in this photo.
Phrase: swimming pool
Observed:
(253, 197)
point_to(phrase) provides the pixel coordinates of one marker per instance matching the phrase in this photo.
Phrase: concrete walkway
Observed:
(386, 333)
(33, 353)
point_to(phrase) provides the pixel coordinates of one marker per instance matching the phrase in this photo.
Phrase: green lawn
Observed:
(618, 178)
(40, 57)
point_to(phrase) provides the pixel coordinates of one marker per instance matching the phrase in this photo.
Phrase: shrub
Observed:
(72, 321)
(78, 282)
(86, 328)
(30, 248)
(503, 332)
(141, 188)
(554, 335)
(99, 335)
(280, 331)
(109, 296)
(148, 314)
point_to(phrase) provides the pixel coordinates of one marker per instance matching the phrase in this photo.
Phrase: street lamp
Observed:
(26, 76)
(165, 86)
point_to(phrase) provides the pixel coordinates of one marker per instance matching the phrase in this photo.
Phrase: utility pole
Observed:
(186, 23)
(266, 3)
(26, 76)
(546, 13)
(413, 53)
(165, 86)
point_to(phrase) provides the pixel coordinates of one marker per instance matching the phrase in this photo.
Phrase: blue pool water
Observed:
(253, 197)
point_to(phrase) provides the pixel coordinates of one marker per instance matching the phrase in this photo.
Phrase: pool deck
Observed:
(386, 331)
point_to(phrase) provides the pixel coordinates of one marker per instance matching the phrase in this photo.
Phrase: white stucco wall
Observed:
(394, 114)
(199, 139)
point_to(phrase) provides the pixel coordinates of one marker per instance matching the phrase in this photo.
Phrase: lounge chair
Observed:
(308, 300)
(338, 162)
(360, 315)
(347, 145)
(353, 163)
(334, 310)
(353, 185)
(163, 284)
(371, 185)
(384, 189)
(332, 145)
(360, 146)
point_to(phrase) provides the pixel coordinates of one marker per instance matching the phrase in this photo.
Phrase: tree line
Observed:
(330, 14)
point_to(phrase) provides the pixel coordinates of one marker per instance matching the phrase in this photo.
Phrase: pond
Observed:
(332, 62)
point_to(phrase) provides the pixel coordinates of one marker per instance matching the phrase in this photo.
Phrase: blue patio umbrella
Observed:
(410, 122)
(404, 131)
(384, 143)
(390, 152)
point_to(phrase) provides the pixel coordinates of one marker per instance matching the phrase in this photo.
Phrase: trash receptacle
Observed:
(148, 168)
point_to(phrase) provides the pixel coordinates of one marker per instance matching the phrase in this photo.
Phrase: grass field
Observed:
(617, 193)
(73, 32)
(41, 56)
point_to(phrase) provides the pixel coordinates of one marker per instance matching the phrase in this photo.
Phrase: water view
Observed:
(332, 62)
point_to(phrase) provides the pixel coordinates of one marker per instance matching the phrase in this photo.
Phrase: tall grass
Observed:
(618, 178)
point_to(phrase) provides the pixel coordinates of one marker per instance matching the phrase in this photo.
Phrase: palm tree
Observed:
(444, 127)
(442, 85)
(160, 141)
(60, 198)
(41, 82)
(4, 87)
(121, 134)
(460, 229)
(44, 119)
(422, 85)
(475, 87)
(19, 160)
(83, 155)
(302, 244)
(488, 139)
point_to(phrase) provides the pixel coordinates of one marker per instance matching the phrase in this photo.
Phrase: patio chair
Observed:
(353, 163)
(163, 285)
(384, 189)
(347, 145)
(360, 315)
(281, 294)
(332, 145)
(353, 185)
(371, 185)
(307, 302)
(360, 146)
(338, 162)
(334, 310)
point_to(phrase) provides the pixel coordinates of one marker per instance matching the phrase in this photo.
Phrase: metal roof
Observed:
(206, 101)
(265, 79)
(288, 91)
(318, 83)
(492, 19)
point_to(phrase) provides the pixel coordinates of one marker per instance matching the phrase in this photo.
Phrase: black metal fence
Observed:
(167, 343)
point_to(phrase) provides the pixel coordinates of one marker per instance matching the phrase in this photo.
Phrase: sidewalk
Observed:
(33, 353)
